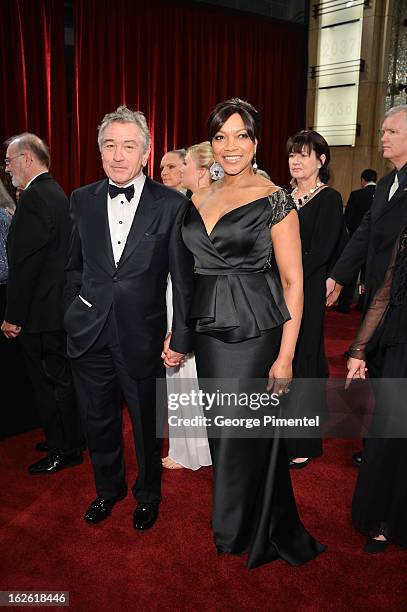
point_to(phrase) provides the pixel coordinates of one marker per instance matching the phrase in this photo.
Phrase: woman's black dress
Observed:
(238, 311)
(380, 499)
(323, 236)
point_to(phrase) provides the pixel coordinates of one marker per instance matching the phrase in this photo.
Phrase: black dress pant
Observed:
(22, 414)
(50, 374)
(101, 380)
(346, 296)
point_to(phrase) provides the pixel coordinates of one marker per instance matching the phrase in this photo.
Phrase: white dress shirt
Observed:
(394, 186)
(121, 214)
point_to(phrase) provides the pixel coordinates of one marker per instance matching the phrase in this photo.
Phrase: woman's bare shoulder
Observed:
(202, 195)
(266, 186)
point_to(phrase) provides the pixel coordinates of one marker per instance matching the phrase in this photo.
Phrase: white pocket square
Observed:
(85, 301)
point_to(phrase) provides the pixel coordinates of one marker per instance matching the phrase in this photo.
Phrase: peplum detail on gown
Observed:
(237, 305)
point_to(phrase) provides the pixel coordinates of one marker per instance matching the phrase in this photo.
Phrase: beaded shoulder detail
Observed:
(281, 204)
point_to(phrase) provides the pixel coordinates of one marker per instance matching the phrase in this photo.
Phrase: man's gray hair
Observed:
(124, 115)
(397, 109)
(34, 144)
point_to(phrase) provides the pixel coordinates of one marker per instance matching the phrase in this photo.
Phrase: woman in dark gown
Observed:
(237, 228)
(323, 236)
(379, 507)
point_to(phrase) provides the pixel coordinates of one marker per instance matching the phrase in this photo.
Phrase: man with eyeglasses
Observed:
(375, 237)
(37, 248)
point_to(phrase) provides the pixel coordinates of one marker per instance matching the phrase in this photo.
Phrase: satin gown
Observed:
(238, 311)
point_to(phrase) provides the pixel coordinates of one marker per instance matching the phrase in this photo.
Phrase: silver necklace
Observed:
(300, 202)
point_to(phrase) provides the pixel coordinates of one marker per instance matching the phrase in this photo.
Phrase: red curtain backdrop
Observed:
(32, 77)
(174, 62)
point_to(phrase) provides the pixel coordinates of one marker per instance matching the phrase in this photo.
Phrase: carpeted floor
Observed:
(46, 545)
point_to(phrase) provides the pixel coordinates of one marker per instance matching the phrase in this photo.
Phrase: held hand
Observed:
(356, 369)
(173, 359)
(10, 330)
(166, 345)
(280, 376)
(333, 290)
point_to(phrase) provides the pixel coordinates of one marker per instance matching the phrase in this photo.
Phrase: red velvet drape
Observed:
(32, 77)
(175, 62)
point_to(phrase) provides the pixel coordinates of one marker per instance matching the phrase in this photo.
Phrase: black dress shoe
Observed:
(54, 462)
(295, 465)
(357, 458)
(373, 546)
(145, 515)
(101, 508)
(42, 447)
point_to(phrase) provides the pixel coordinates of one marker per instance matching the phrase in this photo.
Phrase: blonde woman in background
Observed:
(195, 173)
(185, 451)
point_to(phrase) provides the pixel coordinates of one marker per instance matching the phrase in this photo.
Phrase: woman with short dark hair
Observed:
(323, 235)
(246, 322)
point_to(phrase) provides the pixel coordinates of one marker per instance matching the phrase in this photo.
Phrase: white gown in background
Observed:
(190, 452)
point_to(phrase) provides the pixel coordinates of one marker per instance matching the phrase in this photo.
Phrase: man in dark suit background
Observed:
(126, 240)
(375, 237)
(358, 204)
(38, 243)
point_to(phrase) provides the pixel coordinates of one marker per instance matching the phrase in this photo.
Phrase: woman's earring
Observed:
(255, 166)
(216, 171)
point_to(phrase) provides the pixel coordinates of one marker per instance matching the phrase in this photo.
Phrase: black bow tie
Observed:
(128, 191)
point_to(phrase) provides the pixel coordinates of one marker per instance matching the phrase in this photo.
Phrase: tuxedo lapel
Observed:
(100, 222)
(382, 196)
(146, 212)
(401, 192)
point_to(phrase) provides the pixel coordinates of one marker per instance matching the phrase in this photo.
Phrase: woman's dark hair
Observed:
(222, 111)
(311, 141)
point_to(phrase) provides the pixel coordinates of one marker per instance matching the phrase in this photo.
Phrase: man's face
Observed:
(122, 152)
(394, 139)
(15, 166)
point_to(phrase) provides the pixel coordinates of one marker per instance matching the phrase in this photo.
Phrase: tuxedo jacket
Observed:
(37, 247)
(135, 289)
(374, 239)
(358, 204)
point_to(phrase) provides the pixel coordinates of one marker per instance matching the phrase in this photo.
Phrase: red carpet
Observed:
(45, 544)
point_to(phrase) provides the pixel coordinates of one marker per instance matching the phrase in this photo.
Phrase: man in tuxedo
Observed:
(358, 204)
(38, 244)
(126, 239)
(376, 235)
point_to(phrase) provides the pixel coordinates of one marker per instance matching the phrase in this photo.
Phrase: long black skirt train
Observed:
(254, 509)
(380, 499)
